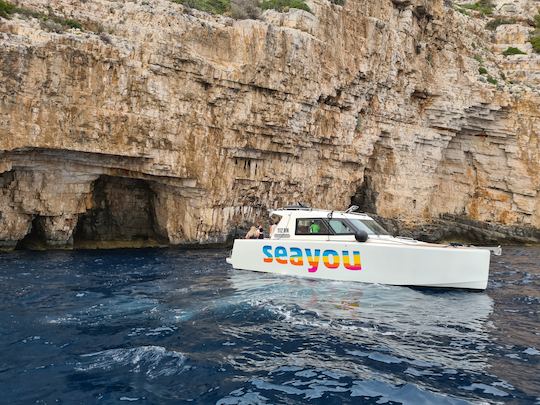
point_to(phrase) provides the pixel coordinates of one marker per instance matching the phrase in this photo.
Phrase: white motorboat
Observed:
(349, 246)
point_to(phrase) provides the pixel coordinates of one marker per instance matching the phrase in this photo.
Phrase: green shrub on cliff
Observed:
(491, 80)
(535, 42)
(210, 6)
(284, 5)
(513, 51)
(6, 9)
(493, 24)
(484, 7)
(462, 11)
(537, 20)
(244, 9)
(46, 20)
(535, 36)
(68, 22)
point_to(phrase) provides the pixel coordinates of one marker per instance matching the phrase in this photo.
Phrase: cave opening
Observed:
(35, 239)
(122, 215)
(366, 196)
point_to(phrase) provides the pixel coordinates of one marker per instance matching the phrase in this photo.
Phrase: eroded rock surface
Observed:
(159, 124)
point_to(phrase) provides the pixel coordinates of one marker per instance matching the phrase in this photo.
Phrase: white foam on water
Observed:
(312, 389)
(406, 393)
(159, 331)
(154, 361)
(239, 397)
(306, 373)
(105, 311)
(531, 351)
(487, 389)
(377, 356)
(68, 319)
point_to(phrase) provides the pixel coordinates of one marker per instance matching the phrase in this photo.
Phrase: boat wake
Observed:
(152, 361)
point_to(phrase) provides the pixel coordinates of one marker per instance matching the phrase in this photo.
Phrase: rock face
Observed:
(163, 125)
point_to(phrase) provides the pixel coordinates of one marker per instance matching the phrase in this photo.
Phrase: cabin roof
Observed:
(318, 213)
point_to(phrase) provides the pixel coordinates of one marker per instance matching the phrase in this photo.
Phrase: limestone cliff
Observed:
(159, 124)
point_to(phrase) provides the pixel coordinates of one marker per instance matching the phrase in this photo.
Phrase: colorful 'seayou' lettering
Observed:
(332, 259)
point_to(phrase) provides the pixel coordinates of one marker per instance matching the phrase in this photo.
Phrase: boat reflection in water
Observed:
(439, 330)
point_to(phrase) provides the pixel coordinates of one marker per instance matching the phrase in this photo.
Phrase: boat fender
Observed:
(361, 236)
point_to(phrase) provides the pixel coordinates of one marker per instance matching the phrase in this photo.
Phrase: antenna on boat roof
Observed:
(352, 208)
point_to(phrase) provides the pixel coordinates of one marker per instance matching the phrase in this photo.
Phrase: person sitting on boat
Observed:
(314, 227)
(273, 227)
(253, 233)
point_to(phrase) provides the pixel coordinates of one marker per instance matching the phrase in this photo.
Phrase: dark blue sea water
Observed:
(171, 326)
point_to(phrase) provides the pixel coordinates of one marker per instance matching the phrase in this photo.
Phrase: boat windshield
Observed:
(368, 225)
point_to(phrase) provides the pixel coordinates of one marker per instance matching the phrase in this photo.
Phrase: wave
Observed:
(153, 361)
(106, 312)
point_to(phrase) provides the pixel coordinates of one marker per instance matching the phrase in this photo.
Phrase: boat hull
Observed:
(394, 264)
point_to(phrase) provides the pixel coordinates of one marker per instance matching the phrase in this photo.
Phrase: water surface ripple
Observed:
(172, 326)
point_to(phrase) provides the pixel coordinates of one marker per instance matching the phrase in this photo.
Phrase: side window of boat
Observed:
(311, 226)
(340, 227)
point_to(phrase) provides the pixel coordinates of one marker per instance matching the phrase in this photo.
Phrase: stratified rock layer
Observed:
(174, 126)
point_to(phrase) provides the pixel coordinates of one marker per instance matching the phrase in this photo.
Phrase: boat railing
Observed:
(295, 208)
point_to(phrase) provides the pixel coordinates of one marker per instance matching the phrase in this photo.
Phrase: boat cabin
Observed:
(303, 223)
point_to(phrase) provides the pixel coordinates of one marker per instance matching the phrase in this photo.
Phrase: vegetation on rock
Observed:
(535, 36)
(6, 9)
(483, 71)
(491, 80)
(535, 41)
(210, 6)
(493, 24)
(484, 7)
(457, 7)
(50, 21)
(284, 5)
(245, 9)
(513, 51)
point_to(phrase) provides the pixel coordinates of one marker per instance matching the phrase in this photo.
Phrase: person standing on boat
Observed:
(273, 227)
(253, 233)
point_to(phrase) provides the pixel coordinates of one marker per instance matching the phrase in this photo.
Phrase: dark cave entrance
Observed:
(366, 196)
(35, 239)
(123, 215)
